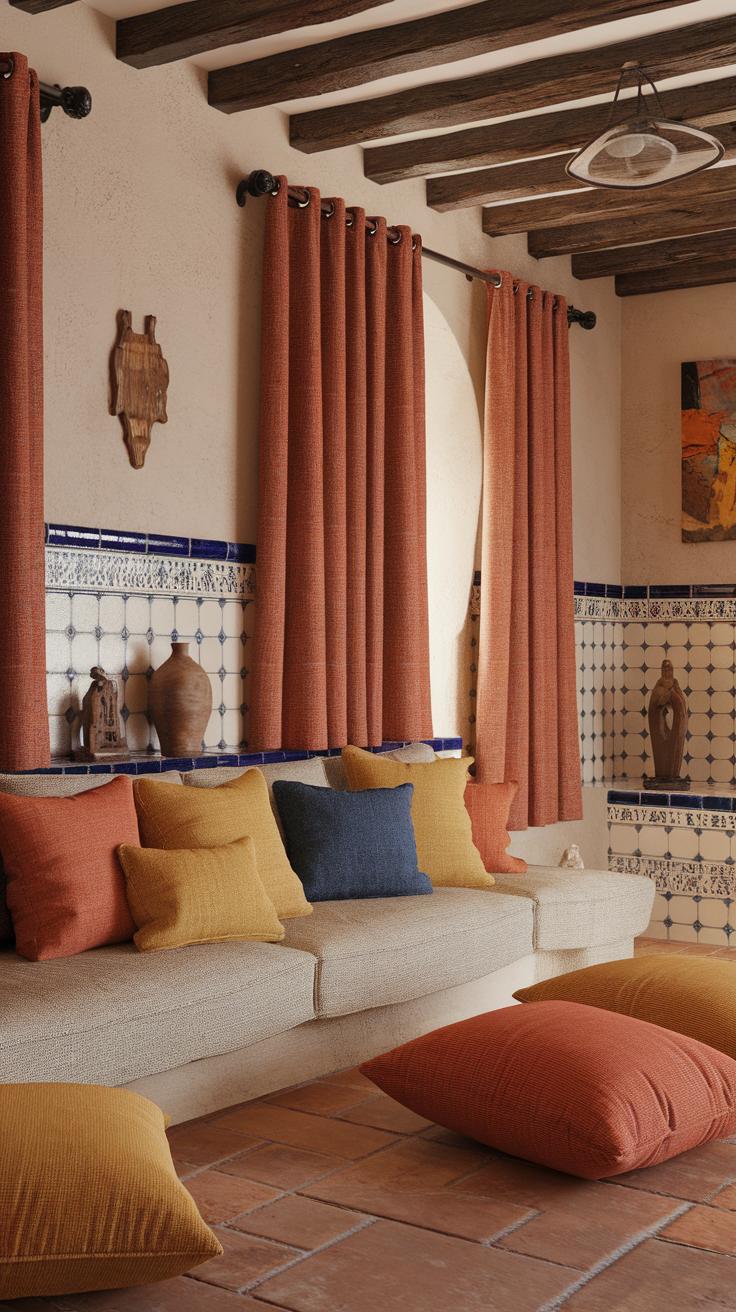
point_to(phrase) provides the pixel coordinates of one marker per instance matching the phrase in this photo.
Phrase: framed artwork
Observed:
(709, 450)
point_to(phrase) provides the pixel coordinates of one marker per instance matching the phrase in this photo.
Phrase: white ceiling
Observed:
(398, 11)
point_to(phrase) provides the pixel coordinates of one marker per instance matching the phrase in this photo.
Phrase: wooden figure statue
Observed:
(668, 738)
(140, 379)
(101, 736)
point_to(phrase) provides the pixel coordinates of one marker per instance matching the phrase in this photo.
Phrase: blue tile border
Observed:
(209, 761)
(674, 801)
(147, 544)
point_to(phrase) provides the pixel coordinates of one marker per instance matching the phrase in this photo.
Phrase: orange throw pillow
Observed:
(575, 1088)
(66, 890)
(488, 806)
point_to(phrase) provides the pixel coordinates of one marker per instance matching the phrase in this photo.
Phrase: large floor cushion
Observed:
(114, 1014)
(375, 951)
(582, 908)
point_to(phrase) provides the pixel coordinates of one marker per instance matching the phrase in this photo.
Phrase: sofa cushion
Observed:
(51, 785)
(112, 1015)
(373, 952)
(582, 908)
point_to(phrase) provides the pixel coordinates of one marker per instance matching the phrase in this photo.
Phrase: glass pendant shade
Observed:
(644, 152)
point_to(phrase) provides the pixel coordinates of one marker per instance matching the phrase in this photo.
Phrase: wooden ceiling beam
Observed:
(442, 38)
(685, 219)
(195, 26)
(602, 204)
(670, 280)
(514, 90)
(525, 180)
(39, 6)
(704, 105)
(681, 253)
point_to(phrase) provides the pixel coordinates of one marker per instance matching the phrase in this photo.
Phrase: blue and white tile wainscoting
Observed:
(119, 600)
(622, 637)
(686, 843)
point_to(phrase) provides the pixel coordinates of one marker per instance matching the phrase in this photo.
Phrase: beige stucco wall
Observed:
(140, 214)
(658, 333)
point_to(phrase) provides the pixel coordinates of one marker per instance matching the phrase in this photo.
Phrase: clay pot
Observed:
(180, 702)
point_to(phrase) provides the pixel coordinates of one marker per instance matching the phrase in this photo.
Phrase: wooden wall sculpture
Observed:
(140, 379)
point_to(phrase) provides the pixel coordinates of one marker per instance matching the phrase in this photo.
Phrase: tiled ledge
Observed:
(72, 537)
(146, 764)
(709, 797)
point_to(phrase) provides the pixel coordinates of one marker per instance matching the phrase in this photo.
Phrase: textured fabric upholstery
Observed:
(113, 1015)
(335, 770)
(310, 771)
(582, 908)
(372, 952)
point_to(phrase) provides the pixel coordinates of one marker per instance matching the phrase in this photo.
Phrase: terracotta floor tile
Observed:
(355, 1078)
(281, 1166)
(302, 1130)
(405, 1183)
(300, 1221)
(693, 1176)
(397, 1268)
(205, 1144)
(661, 1277)
(438, 1134)
(529, 1185)
(386, 1114)
(728, 953)
(243, 1261)
(220, 1197)
(181, 1295)
(583, 1234)
(321, 1098)
(725, 1197)
(705, 1227)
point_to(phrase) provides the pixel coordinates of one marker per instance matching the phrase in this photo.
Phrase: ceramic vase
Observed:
(180, 702)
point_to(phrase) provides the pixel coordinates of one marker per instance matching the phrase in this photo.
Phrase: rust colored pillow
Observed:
(581, 1090)
(66, 890)
(488, 806)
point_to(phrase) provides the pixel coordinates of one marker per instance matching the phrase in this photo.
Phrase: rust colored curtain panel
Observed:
(526, 717)
(24, 733)
(341, 642)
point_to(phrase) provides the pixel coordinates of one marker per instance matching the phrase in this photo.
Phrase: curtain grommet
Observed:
(394, 241)
(303, 204)
(9, 72)
(330, 213)
(372, 231)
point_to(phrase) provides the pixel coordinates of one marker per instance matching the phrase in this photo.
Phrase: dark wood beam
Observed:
(514, 90)
(525, 180)
(545, 134)
(684, 252)
(39, 6)
(670, 280)
(198, 25)
(685, 219)
(504, 183)
(598, 203)
(361, 57)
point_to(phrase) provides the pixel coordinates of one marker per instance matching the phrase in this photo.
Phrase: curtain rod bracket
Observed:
(76, 102)
(586, 318)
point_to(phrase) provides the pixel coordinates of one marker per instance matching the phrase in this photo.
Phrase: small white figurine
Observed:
(571, 858)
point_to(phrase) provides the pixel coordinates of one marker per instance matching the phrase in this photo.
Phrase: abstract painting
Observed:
(709, 450)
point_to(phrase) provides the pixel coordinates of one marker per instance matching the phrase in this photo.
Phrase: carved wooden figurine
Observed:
(140, 379)
(667, 737)
(101, 736)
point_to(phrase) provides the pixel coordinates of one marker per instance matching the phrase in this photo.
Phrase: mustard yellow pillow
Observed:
(695, 996)
(89, 1197)
(445, 848)
(210, 895)
(183, 818)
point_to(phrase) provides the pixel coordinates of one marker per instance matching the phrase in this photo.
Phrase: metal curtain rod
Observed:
(262, 183)
(76, 102)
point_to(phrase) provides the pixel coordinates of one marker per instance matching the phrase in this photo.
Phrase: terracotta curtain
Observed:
(24, 733)
(526, 718)
(341, 642)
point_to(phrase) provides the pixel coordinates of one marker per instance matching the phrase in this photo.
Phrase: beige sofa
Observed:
(200, 1028)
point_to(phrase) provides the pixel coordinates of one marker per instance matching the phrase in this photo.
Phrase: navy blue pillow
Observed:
(345, 845)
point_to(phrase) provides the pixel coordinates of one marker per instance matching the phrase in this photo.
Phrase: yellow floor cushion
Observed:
(691, 995)
(89, 1197)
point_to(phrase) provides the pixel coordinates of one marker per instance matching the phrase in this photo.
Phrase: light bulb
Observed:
(625, 147)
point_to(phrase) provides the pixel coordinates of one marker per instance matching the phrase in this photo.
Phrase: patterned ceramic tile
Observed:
(108, 571)
(710, 880)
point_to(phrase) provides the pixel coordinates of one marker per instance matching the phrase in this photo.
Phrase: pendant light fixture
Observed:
(643, 151)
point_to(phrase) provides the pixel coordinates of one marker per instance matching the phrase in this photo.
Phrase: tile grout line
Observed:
(261, 1280)
(650, 1233)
